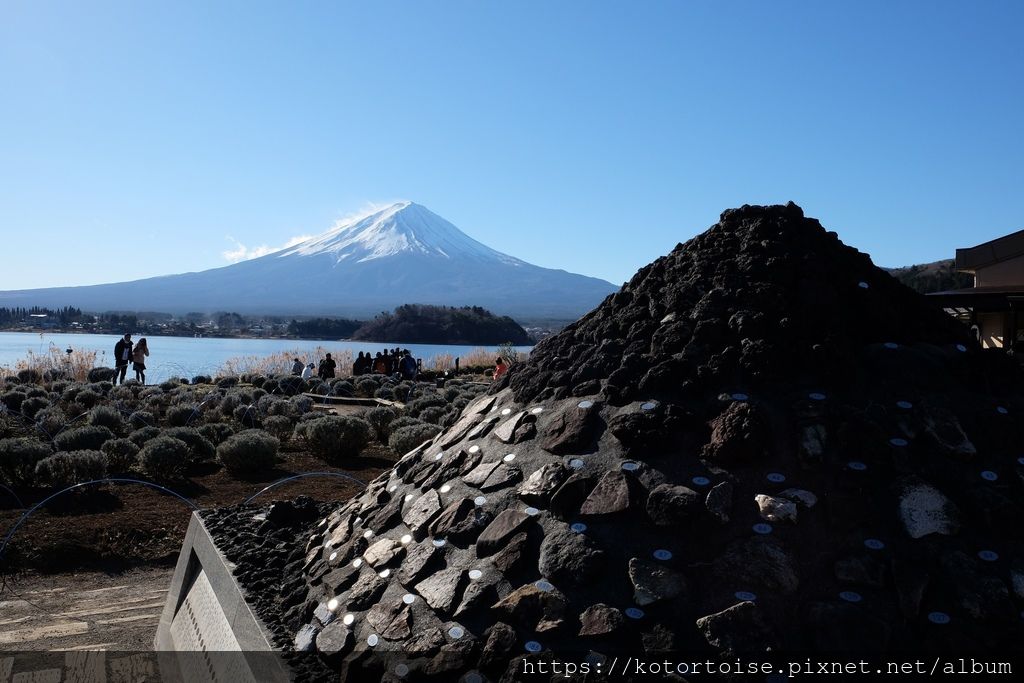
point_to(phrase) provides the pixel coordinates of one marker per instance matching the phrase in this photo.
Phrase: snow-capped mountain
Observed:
(401, 227)
(401, 254)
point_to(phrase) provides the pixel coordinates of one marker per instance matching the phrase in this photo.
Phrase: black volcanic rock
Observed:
(763, 358)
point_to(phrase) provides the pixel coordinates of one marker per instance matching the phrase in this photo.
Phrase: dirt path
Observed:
(86, 611)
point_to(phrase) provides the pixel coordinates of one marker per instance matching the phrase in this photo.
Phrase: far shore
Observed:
(280, 337)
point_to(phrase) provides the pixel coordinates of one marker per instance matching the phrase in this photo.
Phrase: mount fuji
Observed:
(402, 254)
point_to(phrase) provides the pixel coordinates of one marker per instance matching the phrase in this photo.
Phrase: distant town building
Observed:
(993, 305)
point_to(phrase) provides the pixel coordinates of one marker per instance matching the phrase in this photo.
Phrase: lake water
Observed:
(188, 356)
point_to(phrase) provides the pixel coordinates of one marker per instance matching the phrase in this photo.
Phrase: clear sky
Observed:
(145, 138)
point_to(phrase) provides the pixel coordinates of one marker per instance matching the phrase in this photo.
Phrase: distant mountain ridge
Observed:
(938, 276)
(402, 254)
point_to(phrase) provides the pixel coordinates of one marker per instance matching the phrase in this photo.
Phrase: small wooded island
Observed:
(423, 324)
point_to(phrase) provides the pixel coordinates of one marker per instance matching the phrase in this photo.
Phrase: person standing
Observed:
(308, 372)
(297, 367)
(327, 367)
(407, 366)
(122, 356)
(139, 359)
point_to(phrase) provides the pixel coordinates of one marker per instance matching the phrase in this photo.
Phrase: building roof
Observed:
(981, 299)
(985, 254)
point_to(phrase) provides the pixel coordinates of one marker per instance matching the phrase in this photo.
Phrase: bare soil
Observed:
(118, 526)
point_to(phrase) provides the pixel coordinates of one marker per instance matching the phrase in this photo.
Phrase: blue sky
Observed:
(143, 138)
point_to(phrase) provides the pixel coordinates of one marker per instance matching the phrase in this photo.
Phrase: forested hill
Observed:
(421, 324)
(932, 277)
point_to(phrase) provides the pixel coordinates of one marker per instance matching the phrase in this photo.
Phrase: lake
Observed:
(190, 356)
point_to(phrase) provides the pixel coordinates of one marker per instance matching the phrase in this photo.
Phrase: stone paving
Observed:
(80, 612)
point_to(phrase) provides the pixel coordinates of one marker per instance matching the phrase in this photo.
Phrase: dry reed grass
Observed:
(280, 363)
(74, 365)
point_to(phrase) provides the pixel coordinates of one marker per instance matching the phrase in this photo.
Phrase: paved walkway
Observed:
(79, 612)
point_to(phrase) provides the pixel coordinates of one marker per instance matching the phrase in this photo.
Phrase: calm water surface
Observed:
(188, 356)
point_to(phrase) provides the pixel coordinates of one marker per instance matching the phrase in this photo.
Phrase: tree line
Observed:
(424, 324)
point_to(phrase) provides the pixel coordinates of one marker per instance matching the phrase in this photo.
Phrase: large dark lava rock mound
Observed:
(762, 443)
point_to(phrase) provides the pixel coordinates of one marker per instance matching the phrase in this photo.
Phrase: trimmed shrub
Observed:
(335, 438)
(125, 392)
(164, 458)
(403, 421)
(150, 392)
(401, 391)
(29, 376)
(106, 416)
(141, 418)
(18, 458)
(290, 385)
(7, 426)
(122, 455)
(248, 416)
(199, 447)
(140, 436)
(32, 405)
(179, 416)
(280, 426)
(13, 400)
(229, 402)
(101, 388)
(88, 438)
(53, 374)
(70, 393)
(367, 386)
(386, 392)
(273, 405)
(88, 398)
(249, 452)
(51, 420)
(405, 439)
(380, 419)
(74, 467)
(202, 379)
(420, 404)
(301, 404)
(36, 392)
(216, 432)
(100, 374)
(227, 382)
(434, 414)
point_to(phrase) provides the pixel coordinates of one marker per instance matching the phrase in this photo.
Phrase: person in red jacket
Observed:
(500, 367)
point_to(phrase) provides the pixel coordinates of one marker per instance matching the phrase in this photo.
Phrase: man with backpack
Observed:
(407, 366)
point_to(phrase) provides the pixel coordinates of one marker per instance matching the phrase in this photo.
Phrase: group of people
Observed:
(326, 370)
(387, 362)
(126, 352)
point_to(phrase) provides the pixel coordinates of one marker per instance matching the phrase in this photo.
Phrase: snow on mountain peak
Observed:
(403, 227)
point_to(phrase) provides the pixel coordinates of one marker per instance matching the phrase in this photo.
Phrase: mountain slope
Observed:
(938, 276)
(402, 254)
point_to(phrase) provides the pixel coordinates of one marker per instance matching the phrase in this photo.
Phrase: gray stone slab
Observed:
(205, 612)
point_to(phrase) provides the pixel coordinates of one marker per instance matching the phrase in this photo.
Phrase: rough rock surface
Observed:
(761, 357)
